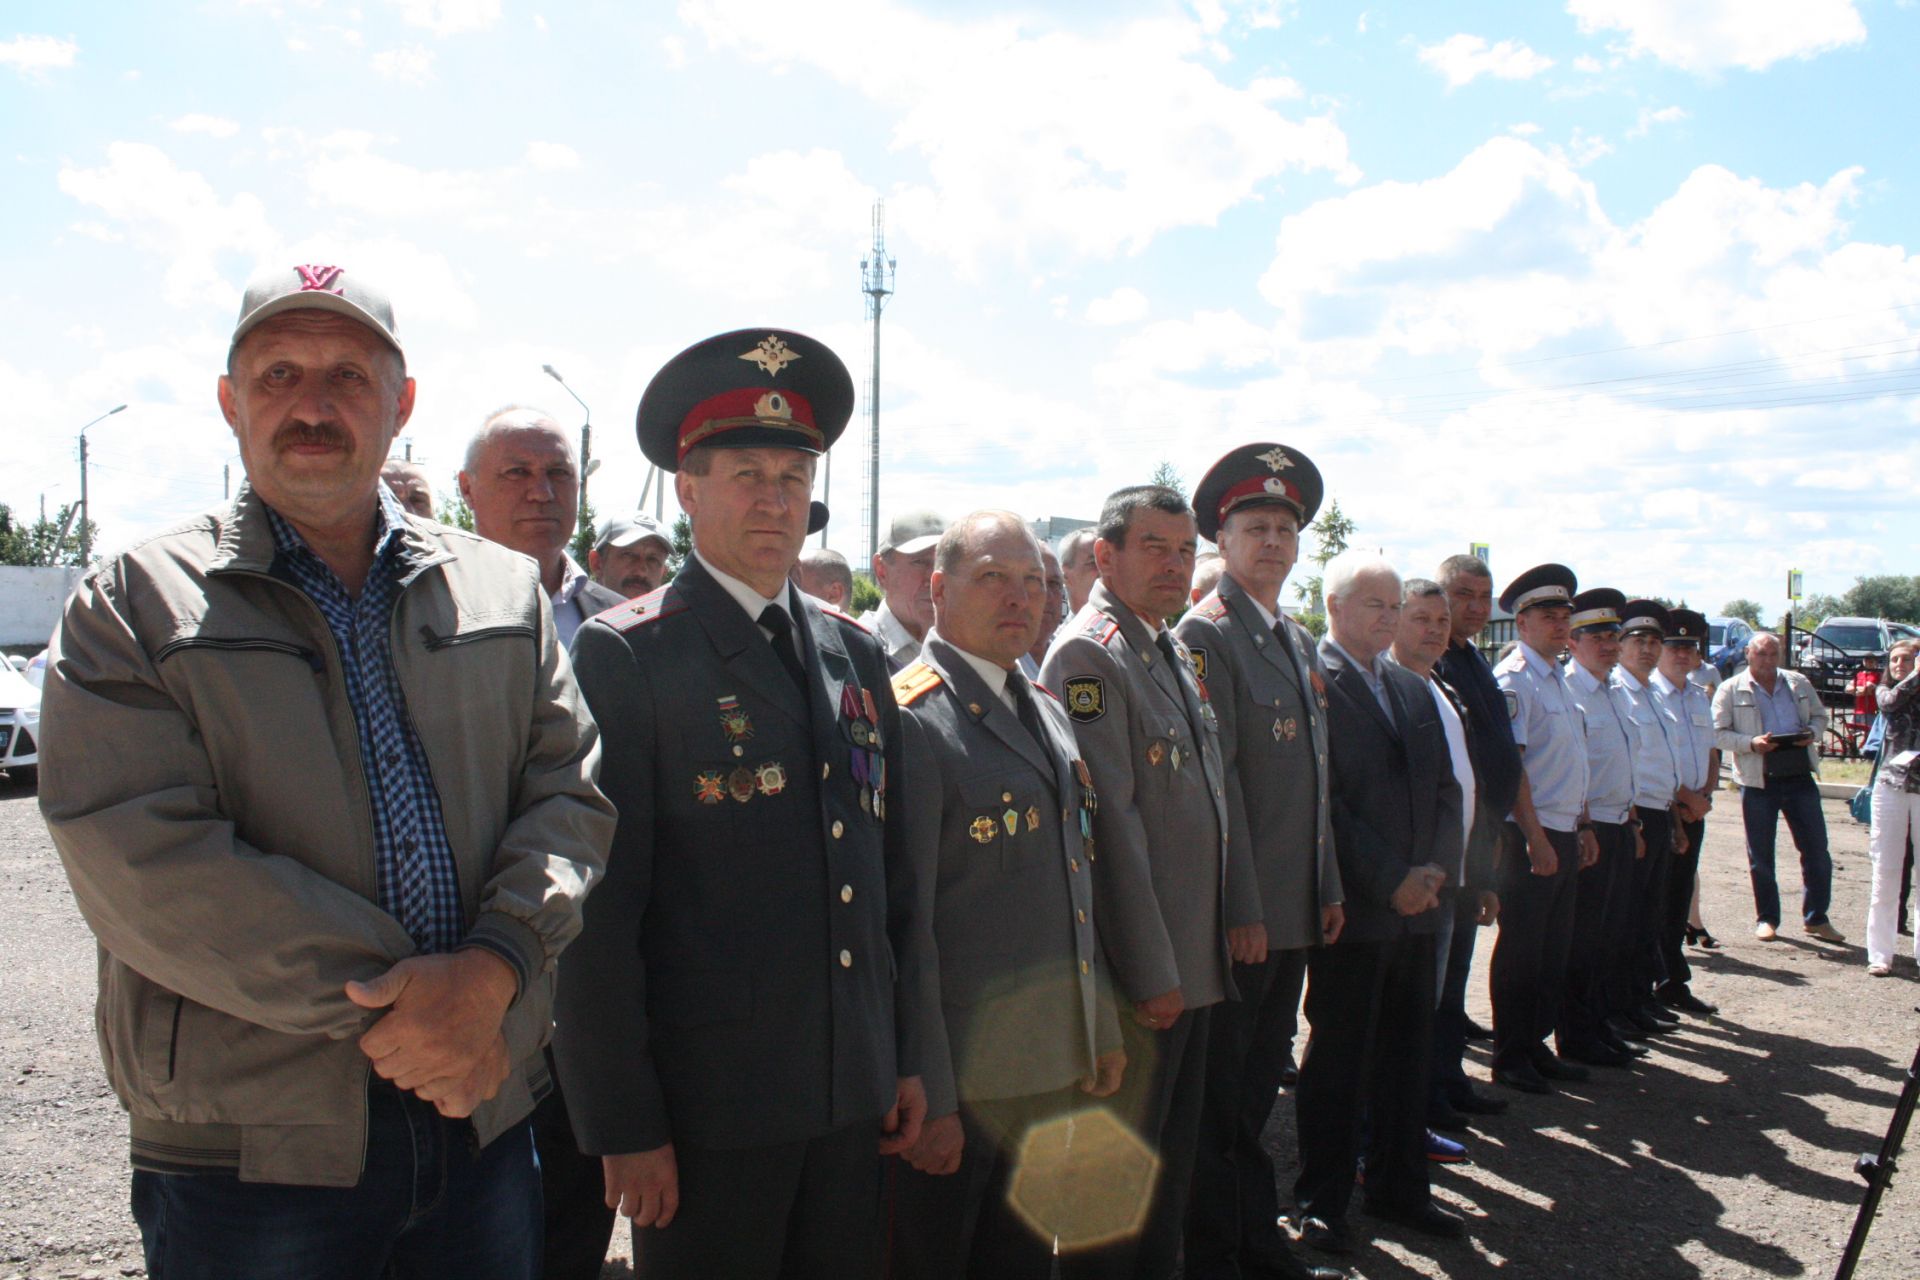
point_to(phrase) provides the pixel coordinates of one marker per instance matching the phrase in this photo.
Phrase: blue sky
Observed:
(1620, 283)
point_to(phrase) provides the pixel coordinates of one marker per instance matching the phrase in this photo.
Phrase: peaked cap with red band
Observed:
(752, 388)
(1257, 475)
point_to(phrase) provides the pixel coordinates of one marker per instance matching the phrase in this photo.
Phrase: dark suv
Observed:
(1832, 655)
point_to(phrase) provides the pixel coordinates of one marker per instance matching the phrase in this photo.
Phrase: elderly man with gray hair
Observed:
(523, 484)
(825, 575)
(1399, 833)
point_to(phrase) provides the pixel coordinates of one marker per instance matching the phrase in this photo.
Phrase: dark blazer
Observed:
(1267, 693)
(1014, 1004)
(595, 599)
(1151, 742)
(1396, 804)
(733, 984)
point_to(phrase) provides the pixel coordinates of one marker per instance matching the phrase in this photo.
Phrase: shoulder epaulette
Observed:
(915, 682)
(1213, 608)
(1035, 684)
(640, 610)
(1099, 626)
(832, 612)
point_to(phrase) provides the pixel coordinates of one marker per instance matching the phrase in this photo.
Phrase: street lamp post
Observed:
(86, 532)
(586, 444)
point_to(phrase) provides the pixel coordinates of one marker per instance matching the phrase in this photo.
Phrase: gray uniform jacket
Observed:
(1013, 1001)
(1150, 741)
(1270, 697)
(733, 984)
(1396, 802)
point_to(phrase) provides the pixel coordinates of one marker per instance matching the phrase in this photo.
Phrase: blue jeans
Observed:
(1761, 809)
(429, 1204)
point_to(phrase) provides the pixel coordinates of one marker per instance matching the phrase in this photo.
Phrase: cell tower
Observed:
(876, 281)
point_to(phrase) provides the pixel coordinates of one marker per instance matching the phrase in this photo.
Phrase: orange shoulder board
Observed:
(915, 682)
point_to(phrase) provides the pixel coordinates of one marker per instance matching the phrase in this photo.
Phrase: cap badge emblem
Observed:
(772, 405)
(1276, 459)
(772, 355)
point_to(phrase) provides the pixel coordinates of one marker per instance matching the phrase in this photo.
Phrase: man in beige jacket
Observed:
(324, 788)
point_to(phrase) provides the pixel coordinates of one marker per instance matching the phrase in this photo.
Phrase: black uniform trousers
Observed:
(806, 1210)
(1643, 968)
(1676, 972)
(1530, 958)
(1160, 1099)
(1601, 907)
(573, 1188)
(1370, 1015)
(963, 1226)
(1234, 1210)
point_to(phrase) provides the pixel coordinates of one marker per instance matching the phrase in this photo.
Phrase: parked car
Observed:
(36, 670)
(19, 726)
(1831, 656)
(1727, 644)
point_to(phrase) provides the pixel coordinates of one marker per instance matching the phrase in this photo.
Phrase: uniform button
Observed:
(1006, 797)
(846, 893)
(839, 828)
(846, 959)
(1081, 916)
(1073, 864)
(825, 769)
(739, 751)
(1063, 815)
(1083, 966)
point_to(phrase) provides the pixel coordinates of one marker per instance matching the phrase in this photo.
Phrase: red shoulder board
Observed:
(832, 612)
(1100, 627)
(1213, 608)
(650, 607)
(1035, 684)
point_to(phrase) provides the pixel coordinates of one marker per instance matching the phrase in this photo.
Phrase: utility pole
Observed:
(876, 282)
(586, 445)
(86, 515)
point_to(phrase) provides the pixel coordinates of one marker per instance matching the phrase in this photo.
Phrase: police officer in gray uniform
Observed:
(1018, 1031)
(727, 1029)
(1264, 682)
(1162, 885)
(1549, 831)
(1601, 902)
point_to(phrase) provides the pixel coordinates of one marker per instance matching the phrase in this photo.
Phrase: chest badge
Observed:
(982, 830)
(770, 778)
(1156, 752)
(734, 721)
(740, 784)
(1286, 730)
(1012, 820)
(709, 788)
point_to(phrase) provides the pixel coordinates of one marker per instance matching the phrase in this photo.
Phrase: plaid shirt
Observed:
(413, 861)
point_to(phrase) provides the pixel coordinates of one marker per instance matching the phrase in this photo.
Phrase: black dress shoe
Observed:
(1554, 1069)
(1477, 1032)
(1447, 1120)
(1427, 1218)
(1523, 1077)
(1287, 1267)
(1594, 1054)
(1618, 1045)
(1326, 1235)
(1626, 1028)
(1684, 1000)
(1468, 1102)
(1645, 1019)
(1289, 1075)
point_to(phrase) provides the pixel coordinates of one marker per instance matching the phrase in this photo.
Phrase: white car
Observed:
(36, 669)
(19, 726)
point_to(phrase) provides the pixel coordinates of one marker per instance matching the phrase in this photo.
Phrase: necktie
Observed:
(1164, 639)
(775, 619)
(1023, 704)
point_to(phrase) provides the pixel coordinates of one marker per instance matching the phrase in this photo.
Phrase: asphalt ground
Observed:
(1726, 1153)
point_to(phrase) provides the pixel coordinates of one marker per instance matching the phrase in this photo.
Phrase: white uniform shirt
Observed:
(1689, 716)
(1612, 744)
(1656, 765)
(1551, 735)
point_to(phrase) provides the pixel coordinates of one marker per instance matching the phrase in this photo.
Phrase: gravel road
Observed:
(1727, 1153)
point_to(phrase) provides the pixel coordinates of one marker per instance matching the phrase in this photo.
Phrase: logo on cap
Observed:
(318, 278)
(1276, 459)
(772, 355)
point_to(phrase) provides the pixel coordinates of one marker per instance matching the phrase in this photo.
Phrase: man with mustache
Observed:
(324, 788)
(523, 485)
(1151, 744)
(630, 556)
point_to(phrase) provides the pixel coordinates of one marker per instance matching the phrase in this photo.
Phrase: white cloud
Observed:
(1096, 142)
(1125, 305)
(449, 17)
(211, 126)
(1650, 117)
(551, 156)
(1712, 35)
(407, 64)
(1464, 58)
(34, 56)
(1587, 64)
(1525, 129)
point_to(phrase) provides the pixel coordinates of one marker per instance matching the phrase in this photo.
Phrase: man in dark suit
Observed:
(728, 1033)
(1370, 996)
(1162, 888)
(1018, 1030)
(1264, 683)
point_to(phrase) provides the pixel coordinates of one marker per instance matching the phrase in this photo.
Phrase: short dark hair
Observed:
(1454, 566)
(1116, 517)
(1421, 589)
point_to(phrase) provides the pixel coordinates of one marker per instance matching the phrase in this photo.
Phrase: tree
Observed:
(866, 596)
(583, 534)
(1745, 610)
(39, 545)
(1816, 609)
(1893, 596)
(455, 511)
(1167, 475)
(682, 544)
(1331, 533)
